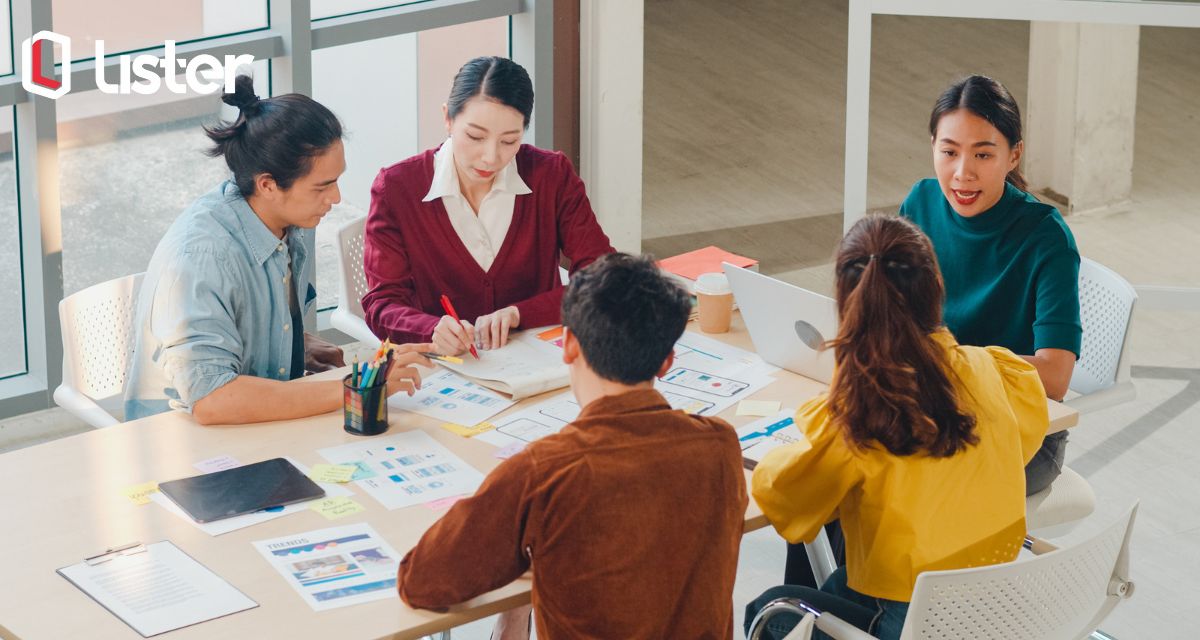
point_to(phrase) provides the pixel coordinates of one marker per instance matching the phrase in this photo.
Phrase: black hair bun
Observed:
(243, 96)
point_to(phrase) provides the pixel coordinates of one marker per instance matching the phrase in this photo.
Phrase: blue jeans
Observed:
(882, 618)
(1046, 464)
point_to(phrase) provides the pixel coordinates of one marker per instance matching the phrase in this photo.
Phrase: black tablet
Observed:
(241, 490)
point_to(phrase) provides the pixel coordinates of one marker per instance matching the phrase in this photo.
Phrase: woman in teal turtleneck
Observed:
(1009, 262)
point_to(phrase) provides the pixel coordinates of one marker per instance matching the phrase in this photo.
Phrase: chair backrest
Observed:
(1061, 594)
(1106, 302)
(352, 285)
(98, 336)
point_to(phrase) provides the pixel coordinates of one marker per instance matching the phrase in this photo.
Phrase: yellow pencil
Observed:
(438, 356)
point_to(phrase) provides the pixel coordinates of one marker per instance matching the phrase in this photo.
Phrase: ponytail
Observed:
(1017, 179)
(891, 385)
(277, 136)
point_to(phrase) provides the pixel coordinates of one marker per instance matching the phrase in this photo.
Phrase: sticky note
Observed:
(334, 508)
(332, 472)
(761, 408)
(444, 503)
(509, 451)
(467, 432)
(140, 493)
(361, 471)
(219, 463)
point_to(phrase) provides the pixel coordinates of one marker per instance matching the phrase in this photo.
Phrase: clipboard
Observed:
(155, 588)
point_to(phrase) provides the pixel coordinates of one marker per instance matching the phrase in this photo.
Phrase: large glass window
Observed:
(389, 120)
(322, 9)
(12, 310)
(128, 166)
(128, 25)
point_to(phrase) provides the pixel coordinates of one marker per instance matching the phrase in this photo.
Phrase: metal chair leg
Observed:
(1100, 635)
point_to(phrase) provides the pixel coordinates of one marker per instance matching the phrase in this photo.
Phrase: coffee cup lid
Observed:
(713, 284)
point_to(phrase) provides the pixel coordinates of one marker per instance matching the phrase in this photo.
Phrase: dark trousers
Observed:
(881, 618)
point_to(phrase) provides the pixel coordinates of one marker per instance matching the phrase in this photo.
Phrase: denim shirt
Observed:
(214, 305)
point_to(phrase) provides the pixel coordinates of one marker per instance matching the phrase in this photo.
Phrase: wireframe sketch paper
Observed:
(409, 468)
(335, 567)
(447, 396)
(524, 367)
(532, 423)
(156, 588)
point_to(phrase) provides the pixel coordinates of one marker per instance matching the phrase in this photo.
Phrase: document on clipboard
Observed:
(155, 588)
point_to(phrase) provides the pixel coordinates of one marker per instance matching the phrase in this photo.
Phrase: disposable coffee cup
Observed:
(715, 301)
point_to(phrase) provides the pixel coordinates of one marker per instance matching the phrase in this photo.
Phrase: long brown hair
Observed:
(891, 384)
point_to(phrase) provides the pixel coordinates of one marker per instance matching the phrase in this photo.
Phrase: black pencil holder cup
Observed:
(364, 411)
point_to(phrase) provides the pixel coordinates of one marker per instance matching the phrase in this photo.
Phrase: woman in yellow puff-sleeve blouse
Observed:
(922, 482)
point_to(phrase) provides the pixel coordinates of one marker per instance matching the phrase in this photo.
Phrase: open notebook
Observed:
(526, 366)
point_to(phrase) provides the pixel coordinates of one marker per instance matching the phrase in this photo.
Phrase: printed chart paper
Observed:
(335, 567)
(410, 468)
(448, 397)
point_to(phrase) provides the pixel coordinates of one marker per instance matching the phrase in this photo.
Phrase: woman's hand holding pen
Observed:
(403, 374)
(452, 337)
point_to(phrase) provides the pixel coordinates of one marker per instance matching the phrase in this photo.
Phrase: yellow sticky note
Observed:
(761, 408)
(140, 493)
(467, 432)
(332, 472)
(334, 508)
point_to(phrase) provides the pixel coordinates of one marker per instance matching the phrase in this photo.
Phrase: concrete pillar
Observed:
(1080, 113)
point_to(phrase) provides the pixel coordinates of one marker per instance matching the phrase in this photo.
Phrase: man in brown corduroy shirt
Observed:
(631, 516)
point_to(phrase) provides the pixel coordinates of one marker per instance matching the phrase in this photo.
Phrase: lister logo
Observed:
(202, 73)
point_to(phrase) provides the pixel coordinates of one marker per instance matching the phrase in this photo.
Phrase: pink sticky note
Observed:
(444, 503)
(510, 451)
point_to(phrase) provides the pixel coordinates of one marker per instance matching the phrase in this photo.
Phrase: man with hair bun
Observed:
(220, 316)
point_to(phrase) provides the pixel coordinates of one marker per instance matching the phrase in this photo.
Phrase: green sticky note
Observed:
(140, 493)
(468, 432)
(334, 508)
(332, 472)
(761, 408)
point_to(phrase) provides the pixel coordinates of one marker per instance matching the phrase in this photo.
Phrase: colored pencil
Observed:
(454, 314)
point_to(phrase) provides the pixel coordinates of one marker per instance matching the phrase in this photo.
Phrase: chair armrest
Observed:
(839, 629)
(83, 407)
(355, 327)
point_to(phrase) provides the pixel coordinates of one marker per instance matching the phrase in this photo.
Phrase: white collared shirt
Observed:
(482, 234)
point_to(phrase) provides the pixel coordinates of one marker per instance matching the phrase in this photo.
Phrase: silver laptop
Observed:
(787, 324)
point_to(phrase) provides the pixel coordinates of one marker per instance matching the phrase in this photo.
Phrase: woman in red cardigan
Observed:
(482, 219)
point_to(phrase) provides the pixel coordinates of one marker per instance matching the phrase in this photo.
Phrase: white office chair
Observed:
(1100, 380)
(98, 339)
(1058, 594)
(352, 284)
